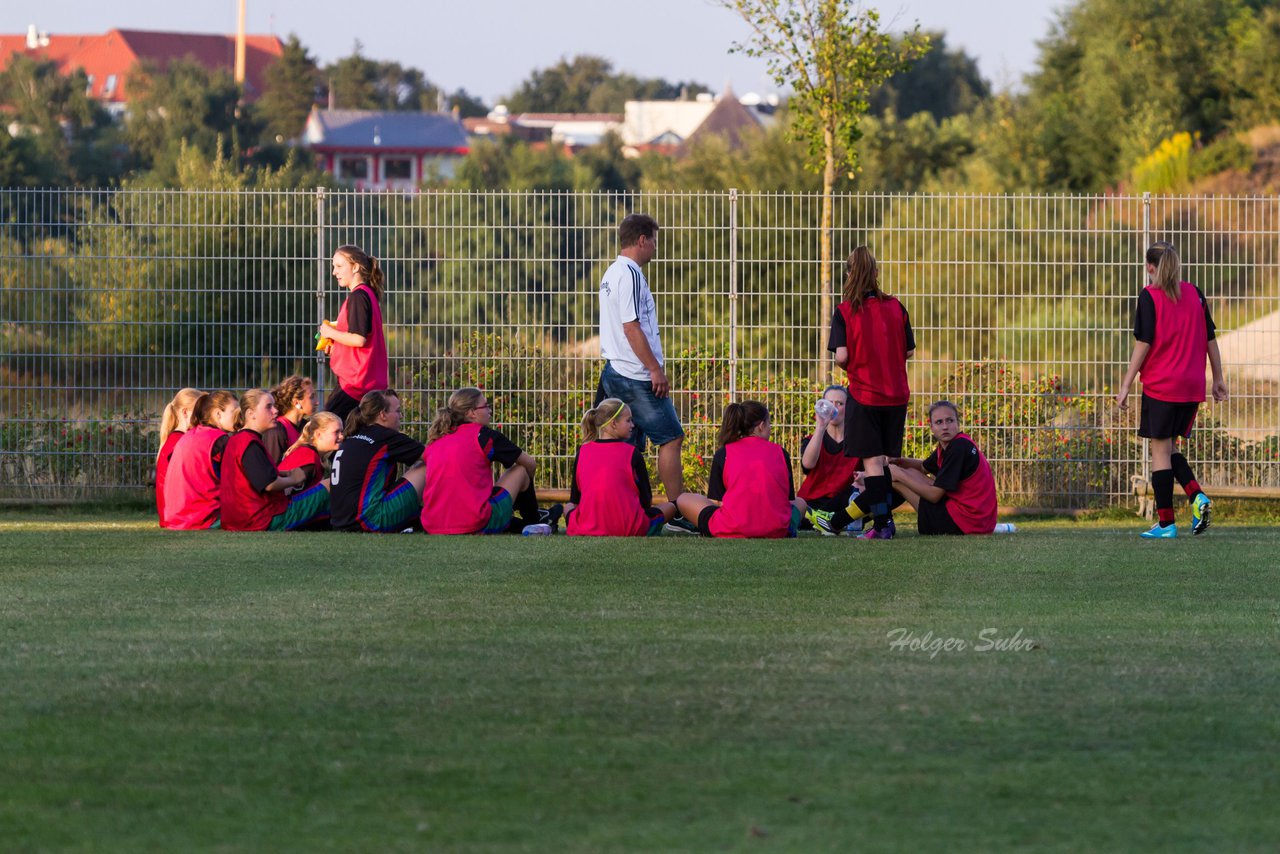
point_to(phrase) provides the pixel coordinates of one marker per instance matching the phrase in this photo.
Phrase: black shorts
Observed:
(704, 519)
(873, 431)
(340, 403)
(1161, 420)
(932, 519)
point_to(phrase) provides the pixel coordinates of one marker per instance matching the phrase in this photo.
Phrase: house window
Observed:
(88, 85)
(356, 168)
(398, 168)
(109, 88)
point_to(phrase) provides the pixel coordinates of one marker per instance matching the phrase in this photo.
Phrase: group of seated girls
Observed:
(257, 463)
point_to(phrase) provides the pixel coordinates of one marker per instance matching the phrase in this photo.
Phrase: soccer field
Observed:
(1071, 688)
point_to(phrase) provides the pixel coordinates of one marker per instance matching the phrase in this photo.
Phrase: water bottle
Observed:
(538, 529)
(1005, 528)
(824, 409)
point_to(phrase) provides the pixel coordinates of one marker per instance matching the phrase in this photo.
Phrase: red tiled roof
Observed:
(118, 51)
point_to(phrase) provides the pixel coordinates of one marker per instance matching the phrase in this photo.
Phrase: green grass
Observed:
(169, 691)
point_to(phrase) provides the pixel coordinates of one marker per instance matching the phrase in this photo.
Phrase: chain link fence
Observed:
(111, 300)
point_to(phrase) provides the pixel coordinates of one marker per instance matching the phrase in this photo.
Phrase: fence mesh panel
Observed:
(111, 300)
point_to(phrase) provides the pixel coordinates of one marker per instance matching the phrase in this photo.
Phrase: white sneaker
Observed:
(539, 529)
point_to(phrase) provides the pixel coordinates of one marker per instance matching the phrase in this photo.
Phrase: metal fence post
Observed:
(1146, 241)
(733, 294)
(321, 281)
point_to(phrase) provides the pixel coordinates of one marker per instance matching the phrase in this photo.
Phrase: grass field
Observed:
(168, 691)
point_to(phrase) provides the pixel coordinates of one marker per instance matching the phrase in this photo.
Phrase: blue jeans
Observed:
(655, 417)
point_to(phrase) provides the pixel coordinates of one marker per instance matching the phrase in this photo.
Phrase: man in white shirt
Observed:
(630, 344)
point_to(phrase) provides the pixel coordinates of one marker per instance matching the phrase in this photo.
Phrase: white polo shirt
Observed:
(624, 297)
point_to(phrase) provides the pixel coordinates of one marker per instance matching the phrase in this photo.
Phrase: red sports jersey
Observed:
(361, 369)
(191, 491)
(972, 505)
(301, 456)
(244, 507)
(162, 470)
(610, 505)
(1174, 368)
(876, 338)
(757, 496)
(459, 483)
(832, 473)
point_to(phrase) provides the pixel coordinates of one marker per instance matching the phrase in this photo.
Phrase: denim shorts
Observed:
(655, 417)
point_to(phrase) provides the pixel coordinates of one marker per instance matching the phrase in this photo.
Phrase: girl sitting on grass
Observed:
(252, 489)
(192, 494)
(953, 489)
(610, 495)
(295, 403)
(320, 436)
(750, 491)
(174, 424)
(461, 496)
(366, 495)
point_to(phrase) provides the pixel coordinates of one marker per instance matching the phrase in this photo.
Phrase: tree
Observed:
(358, 83)
(943, 83)
(292, 83)
(183, 103)
(63, 136)
(468, 105)
(831, 55)
(588, 84)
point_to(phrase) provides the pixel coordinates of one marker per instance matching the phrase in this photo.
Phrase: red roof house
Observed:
(108, 59)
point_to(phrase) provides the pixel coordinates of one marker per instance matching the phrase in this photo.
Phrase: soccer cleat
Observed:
(551, 516)
(821, 521)
(680, 526)
(1200, 514)
(1168, 532)
(540, 529)
(885, 533)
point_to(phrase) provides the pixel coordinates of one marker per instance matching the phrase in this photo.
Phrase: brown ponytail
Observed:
(202, 411)
(373, 404)
(861, 277)
(454, 413)
(740, 419)
(366, 266)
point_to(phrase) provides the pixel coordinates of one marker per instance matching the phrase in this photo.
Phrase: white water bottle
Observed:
(1005, 528)
(824, 409)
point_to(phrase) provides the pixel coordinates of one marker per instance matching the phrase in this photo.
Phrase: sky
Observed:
(490, 46)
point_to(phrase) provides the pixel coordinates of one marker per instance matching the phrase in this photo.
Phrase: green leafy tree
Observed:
(831, 54)
(182, 104)
(62, 135)
(1116, 77)
(943, 83)
(468, 106)
(356, 82)
(292, 83)
(588, 84)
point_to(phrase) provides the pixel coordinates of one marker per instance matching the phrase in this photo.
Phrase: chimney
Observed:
(240, 47)
(33, 37)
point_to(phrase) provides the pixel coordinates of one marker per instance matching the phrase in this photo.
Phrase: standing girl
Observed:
(952, 490)
(1174, 333)
(174, 423)
(610, 495)
(750, 491)
(461, 496)
(295, 403)
(828, 472)
(321, 436)
(366, 495)
(872, 339)
(358, 353)
(253, 490)
(191, 489)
